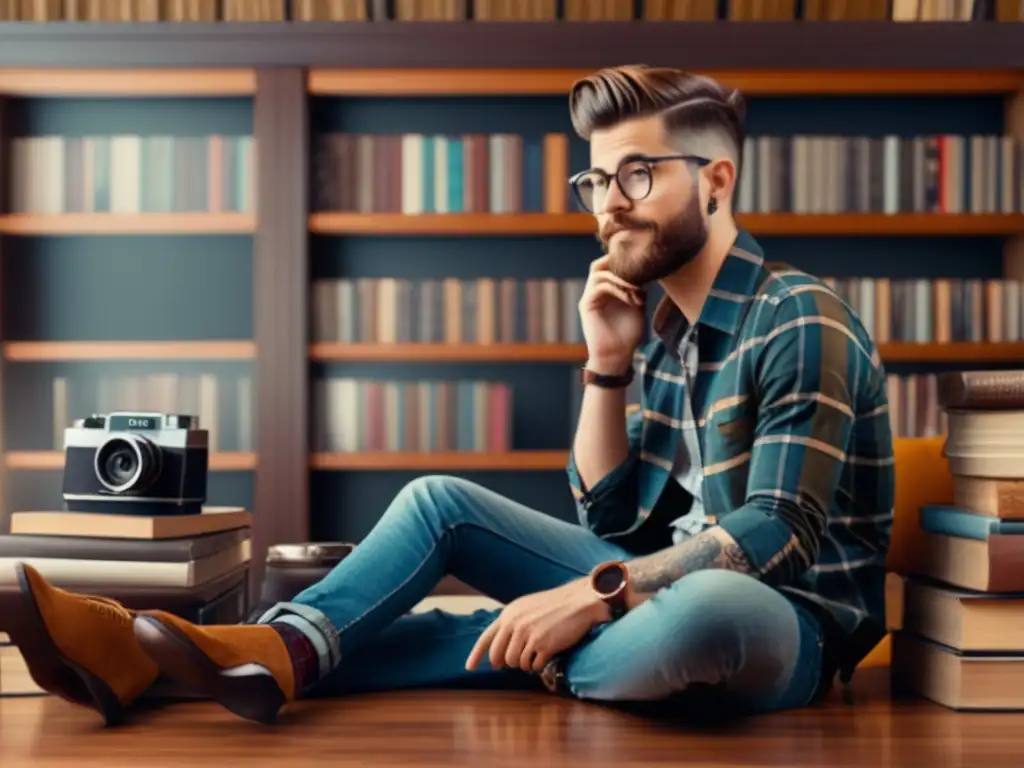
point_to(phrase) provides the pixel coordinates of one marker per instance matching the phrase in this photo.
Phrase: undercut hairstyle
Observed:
(702, 117)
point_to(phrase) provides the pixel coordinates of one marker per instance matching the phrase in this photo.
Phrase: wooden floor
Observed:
(510, 729)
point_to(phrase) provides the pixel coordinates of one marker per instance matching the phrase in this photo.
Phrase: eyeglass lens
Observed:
(634, 180)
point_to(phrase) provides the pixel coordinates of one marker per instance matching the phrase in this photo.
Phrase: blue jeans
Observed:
(713, 630)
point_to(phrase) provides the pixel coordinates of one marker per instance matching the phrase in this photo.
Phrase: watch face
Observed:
(607, 580)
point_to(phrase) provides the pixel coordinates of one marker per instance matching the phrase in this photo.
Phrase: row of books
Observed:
(367, 415)
(888, 174)
(955, 611)
(504, 173)
(484, 310)
(154, 10)
(489, 310)
(131, 174)
(224, 405)
(616, 10)
(359, 415)
(416, 173)
(935, 310)
(502, 10)
(914, 405)
(363, 415)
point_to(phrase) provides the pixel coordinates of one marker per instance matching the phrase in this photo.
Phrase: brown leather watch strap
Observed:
(607, 381)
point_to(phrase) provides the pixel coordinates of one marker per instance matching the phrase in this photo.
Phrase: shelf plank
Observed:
(852, 224)
(710, 46)
(127, 224)
(440, 460)
(786, 82)
(897, 352)
(452, 224)
(66, 351)
(145, 83)
(330, 351)
(54, 460)
(953, 352)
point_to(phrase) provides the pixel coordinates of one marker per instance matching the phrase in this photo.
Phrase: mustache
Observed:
(620, 222)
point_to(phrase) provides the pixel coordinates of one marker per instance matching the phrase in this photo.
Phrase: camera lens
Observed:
(127, 464)
(120, 465)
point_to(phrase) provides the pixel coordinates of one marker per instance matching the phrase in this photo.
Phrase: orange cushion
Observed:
(922, 477)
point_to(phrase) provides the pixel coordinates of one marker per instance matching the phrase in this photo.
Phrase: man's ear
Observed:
(721, 176)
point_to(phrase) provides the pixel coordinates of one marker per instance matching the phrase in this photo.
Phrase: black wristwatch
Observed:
(607, 380)
(610, 581)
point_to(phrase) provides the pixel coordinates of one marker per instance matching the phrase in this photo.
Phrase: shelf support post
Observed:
(280, 270)
(1013, 253)
(5, 185)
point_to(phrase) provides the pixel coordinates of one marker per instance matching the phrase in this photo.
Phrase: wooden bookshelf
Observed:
(127, 224)
(439, 460)
(66, 351)
(145, 83)
(54, 460)
(758, 224)
(894, 352)
(280, 66)
(557, 82)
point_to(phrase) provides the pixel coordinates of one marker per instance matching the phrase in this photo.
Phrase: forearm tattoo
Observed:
(711, 549)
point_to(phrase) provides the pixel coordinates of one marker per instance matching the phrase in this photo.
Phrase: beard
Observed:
(673, 245)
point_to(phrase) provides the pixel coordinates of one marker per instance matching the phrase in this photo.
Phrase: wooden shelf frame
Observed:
(222, 461)
(198, 223)
(418, 82)
(708, 46)
(440, 460)
(269, 62)
(143, 83)
(78, 351)
(758, 224)
(893, 352)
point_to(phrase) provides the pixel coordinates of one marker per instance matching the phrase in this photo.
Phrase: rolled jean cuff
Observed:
(314, 625)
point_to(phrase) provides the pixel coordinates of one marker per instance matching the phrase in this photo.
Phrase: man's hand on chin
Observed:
(533, 628)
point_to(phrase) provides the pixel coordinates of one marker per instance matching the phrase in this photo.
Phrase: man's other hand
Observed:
(533, 628)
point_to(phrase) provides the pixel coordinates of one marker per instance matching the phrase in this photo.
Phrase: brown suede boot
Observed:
(246, 668)
(80, 647)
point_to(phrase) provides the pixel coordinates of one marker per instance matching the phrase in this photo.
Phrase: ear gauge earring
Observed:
(712, 206)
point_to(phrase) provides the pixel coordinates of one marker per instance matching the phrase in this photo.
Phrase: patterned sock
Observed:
(305, 661)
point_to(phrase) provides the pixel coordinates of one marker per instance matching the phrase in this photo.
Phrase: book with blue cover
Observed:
(969, 550)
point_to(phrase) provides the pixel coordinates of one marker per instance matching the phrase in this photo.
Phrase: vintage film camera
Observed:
(129, 463)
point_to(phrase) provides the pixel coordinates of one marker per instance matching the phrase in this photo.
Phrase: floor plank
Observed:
(456, 728)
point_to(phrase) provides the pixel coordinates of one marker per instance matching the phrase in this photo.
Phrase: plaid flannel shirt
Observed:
(790, 410)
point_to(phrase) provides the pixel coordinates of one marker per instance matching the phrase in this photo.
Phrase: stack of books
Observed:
(194, 566)
(958, 618)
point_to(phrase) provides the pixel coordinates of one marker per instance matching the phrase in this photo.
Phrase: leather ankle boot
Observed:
(245, 668)
(81, 648)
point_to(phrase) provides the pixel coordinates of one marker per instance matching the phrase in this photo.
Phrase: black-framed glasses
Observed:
(634, 177)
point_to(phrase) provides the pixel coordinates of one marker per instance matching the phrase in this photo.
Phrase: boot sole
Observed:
(55, 672)
(249, 691)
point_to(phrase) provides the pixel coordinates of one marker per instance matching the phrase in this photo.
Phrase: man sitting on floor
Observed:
(734, 530)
